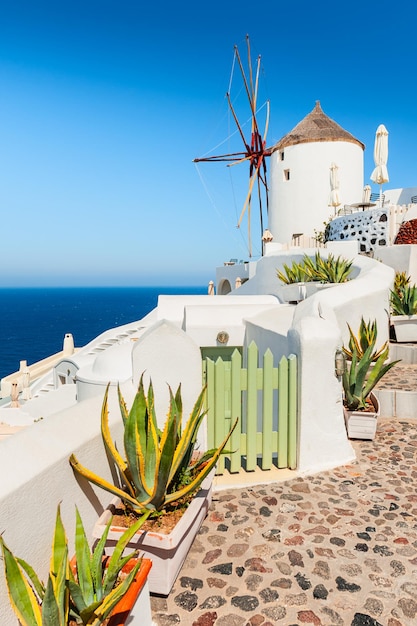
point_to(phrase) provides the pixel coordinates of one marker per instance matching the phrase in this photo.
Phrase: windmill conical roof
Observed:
(316, 126)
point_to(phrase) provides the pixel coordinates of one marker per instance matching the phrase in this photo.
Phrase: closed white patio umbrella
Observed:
(334, 198)
(366, 199)
(380, 173)
(366, 196)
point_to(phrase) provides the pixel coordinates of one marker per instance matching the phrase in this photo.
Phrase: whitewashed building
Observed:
(300, 175)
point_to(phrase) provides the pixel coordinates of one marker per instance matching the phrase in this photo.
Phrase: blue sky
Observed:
(105, 104)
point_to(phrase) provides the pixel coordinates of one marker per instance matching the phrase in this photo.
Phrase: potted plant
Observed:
(367, 334)
(328, 270)
(362, 373)
(403, 301)
(161, 474)
(85, 591)
(304, 278)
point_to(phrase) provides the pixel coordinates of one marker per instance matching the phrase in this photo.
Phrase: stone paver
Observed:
(334, 549)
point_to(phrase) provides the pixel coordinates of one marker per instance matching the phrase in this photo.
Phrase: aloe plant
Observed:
(360, 378)
(367, 334)
(86, 596)
(159, 468)
(403, 300)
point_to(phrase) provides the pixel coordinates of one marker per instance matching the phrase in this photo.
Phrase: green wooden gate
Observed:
(264, 399)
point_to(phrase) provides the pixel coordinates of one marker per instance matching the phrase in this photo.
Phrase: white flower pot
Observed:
(362, 424)
(166, 551)
(296, 292)
(405, 328)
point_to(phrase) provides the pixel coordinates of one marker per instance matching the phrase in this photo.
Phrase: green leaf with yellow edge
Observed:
(22, 597)
(59, 570)
(107, 439)
(104, 484)
(135, 442)
(191, 487)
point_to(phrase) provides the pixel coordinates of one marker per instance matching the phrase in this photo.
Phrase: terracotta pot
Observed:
(362, 424)
(167, 551)
(134, 608)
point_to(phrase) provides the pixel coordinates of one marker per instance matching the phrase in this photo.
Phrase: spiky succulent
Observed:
(84, 594)
(159, 467)
(361, 375)
(324, 270)
(367, 334)
(404, 300)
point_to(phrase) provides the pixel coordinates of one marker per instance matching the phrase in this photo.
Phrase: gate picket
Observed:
(264, 399)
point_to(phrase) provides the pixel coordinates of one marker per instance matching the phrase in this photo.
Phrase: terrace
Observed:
(290, 550)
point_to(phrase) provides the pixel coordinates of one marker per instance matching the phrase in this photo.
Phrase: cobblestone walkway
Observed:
(335, 549)
(400, 377)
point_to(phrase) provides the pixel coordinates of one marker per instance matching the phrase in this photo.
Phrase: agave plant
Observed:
(160, 468)
(360, 378)
(324, 270)
(84, 596)
(401, 280)
(367, 335)
(403, 300)
(95, 590)
(36, 604)
(328, 270)
(294, 274)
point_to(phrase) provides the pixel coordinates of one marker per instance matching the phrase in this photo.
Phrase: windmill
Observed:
(255, 150)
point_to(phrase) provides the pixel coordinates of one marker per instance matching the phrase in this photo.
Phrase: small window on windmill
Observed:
(286, 174)
(281, 155)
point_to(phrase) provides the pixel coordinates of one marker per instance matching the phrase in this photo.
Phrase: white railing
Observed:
(27, 374)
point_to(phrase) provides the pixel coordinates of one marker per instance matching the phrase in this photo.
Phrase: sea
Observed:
(34, 321)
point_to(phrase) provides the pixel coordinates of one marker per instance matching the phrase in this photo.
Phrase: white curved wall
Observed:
(166, 355)
(399, 196)
(366, 294)
(402, 258)
(322, 440)
(113, 366)
(36, 476)
(300, 204)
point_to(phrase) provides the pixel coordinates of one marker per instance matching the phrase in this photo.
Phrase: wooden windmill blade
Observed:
(232, 156)
(255, 149)
(251, 89)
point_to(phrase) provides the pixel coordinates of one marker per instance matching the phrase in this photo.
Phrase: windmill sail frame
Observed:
(255, 151)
